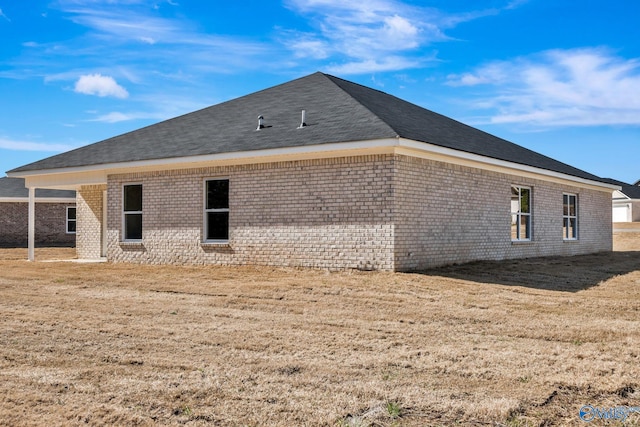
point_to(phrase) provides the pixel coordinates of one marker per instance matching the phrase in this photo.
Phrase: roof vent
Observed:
(260, 122)
(303, 122)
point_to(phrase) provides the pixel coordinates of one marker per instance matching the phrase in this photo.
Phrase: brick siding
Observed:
(449, 214)
(333, 214)
(89, 202)
(51, 224)
(382, 212)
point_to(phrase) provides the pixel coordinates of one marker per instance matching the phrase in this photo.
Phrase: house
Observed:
(322, 172)
(626, 202)
(55, 215)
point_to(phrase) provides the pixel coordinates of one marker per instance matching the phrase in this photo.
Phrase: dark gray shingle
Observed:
(629, 190)
(14, 188)
(337, 111)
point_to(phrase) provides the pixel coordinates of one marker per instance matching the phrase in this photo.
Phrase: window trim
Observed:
(71, 220)
(519, 214)
(568, 217)
(125, 213)
(205, 230)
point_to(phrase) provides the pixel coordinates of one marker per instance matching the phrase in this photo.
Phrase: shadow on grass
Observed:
(566, 274)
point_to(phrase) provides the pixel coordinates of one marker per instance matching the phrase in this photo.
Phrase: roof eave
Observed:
(500, 165)
(97, 174)
(38, 199)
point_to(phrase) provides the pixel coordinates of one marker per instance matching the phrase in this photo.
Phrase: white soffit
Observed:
(74, 177)
(38, 200)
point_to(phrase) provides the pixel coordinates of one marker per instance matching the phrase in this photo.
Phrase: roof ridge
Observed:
(351, 95)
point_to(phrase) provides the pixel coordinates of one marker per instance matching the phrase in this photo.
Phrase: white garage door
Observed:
(620, 213)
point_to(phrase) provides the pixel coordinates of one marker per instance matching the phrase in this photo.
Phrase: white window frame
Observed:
(519, 214)
(205, 225)
(125, 213)
(71, 220)
(568, 217)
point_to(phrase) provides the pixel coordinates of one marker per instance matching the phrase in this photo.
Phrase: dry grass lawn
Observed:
(516, 343)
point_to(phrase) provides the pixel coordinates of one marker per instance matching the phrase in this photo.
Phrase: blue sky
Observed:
(559, 77)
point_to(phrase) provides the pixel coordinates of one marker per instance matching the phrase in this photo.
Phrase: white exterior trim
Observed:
(38, 200)
(205, 226)
(74, 177)
(67, 220)
(123, 237)
(31, 256)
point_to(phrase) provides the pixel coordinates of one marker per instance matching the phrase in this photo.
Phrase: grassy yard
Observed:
(516, 343)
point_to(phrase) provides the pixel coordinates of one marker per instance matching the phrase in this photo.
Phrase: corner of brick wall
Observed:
(89, 221)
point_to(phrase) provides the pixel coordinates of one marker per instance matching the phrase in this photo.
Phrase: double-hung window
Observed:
(520, 213)
(216, 210)
(570, 217)
(132, 212)
(71, 220)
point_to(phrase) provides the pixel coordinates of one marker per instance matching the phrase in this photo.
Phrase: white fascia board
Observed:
(619, 195)
(462, 158)
(73, 177)
(339, 149)
(38, 200)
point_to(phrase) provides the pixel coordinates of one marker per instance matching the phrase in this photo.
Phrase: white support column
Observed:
(32, 223)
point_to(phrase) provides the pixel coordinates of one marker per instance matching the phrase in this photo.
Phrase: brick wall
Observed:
(380, 212)
(51, 224)
(451, 214)
(89, 227)
(635, 211)
(332, 213)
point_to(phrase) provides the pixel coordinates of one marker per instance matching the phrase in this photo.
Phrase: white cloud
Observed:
(359, 34)
(132, 26)
(147, 40)
(308, 47)
(97, 84)
(164, 106)
(585, 87)
(113, 117)
(391, 63)
(9, 144)
(116, 117)
(2, 15)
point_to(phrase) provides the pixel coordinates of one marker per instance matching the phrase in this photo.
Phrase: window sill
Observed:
(214, 244)
(570, 240)
(522, 242)
(132, 244)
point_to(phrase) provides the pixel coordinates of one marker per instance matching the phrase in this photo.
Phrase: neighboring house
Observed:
(626, 202)
(333, 175)
(55, 215)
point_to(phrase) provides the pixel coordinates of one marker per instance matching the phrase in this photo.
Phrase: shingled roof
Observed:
(337, 111)
(629, 190)
(13, 188)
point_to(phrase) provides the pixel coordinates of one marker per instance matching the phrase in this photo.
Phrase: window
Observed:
(71, 220)
(520, 213)
(570, 217)
(216, 210)
(132, 212)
